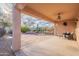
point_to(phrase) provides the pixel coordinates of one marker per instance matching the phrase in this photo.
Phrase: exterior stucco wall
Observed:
(60, 28)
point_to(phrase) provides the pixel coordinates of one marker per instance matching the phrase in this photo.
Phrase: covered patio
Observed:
(47, 45)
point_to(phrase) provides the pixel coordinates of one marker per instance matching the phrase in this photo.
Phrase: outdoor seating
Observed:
(69, 36)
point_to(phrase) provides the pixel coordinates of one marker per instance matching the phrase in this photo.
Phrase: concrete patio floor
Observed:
(47, 45)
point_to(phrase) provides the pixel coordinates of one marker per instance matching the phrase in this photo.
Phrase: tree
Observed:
(5, 23)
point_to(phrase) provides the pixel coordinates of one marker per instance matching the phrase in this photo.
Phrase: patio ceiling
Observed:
(50, 11)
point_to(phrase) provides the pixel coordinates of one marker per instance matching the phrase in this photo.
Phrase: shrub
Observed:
(24, 29)
(2, 32)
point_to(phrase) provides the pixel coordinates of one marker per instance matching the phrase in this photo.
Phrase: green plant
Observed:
(24, 29)
(5, 23)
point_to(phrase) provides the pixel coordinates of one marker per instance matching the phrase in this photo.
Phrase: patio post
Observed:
(16, 41)
(77, 31)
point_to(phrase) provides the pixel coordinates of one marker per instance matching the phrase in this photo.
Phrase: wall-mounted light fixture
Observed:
(65, 23)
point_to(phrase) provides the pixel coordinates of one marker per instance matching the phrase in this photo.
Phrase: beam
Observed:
(28, 10)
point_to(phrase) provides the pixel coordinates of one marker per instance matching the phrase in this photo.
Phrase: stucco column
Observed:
(77, 31)
(16, 41)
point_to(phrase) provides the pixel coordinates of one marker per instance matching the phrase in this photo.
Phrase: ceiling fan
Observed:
(59, 15)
